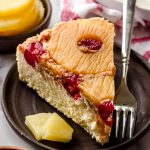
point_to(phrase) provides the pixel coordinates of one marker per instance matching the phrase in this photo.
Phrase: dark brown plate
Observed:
(19, 101)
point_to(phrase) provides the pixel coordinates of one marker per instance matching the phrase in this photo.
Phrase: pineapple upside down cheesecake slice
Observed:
(71, 66)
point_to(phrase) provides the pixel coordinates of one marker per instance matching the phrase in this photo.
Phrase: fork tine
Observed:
(125, 114)
(117, 121)
(132, 123)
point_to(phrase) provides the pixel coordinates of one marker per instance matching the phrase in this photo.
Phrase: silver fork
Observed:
(124, 100)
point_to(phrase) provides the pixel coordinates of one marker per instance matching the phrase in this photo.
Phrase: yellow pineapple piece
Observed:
(48, 126)
(8, 8)
(12, 24)
(56, 129)
(36, 122)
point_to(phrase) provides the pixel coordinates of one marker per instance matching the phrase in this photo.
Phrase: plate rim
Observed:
(21, 133)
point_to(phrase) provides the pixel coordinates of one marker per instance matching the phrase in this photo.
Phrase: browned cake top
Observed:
(83, 46)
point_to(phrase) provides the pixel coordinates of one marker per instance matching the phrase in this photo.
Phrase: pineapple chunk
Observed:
(36, 122)
(11, 22)
(56, 129)
(17, 6)
(48, 126)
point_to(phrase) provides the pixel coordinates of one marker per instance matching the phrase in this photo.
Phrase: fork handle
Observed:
(128, 15)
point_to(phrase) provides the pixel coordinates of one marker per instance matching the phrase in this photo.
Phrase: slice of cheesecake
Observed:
(71, 66)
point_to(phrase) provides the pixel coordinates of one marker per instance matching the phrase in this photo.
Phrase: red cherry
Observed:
(91, 44)
(71, 85)
(30, 47)
(109, 121)
(76, 96)
(33, 52)
(105, 110)
(74, 78)
(30, 58)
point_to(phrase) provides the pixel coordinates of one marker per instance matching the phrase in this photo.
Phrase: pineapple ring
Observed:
(71, 57)
(8, 8)
(18, 24)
